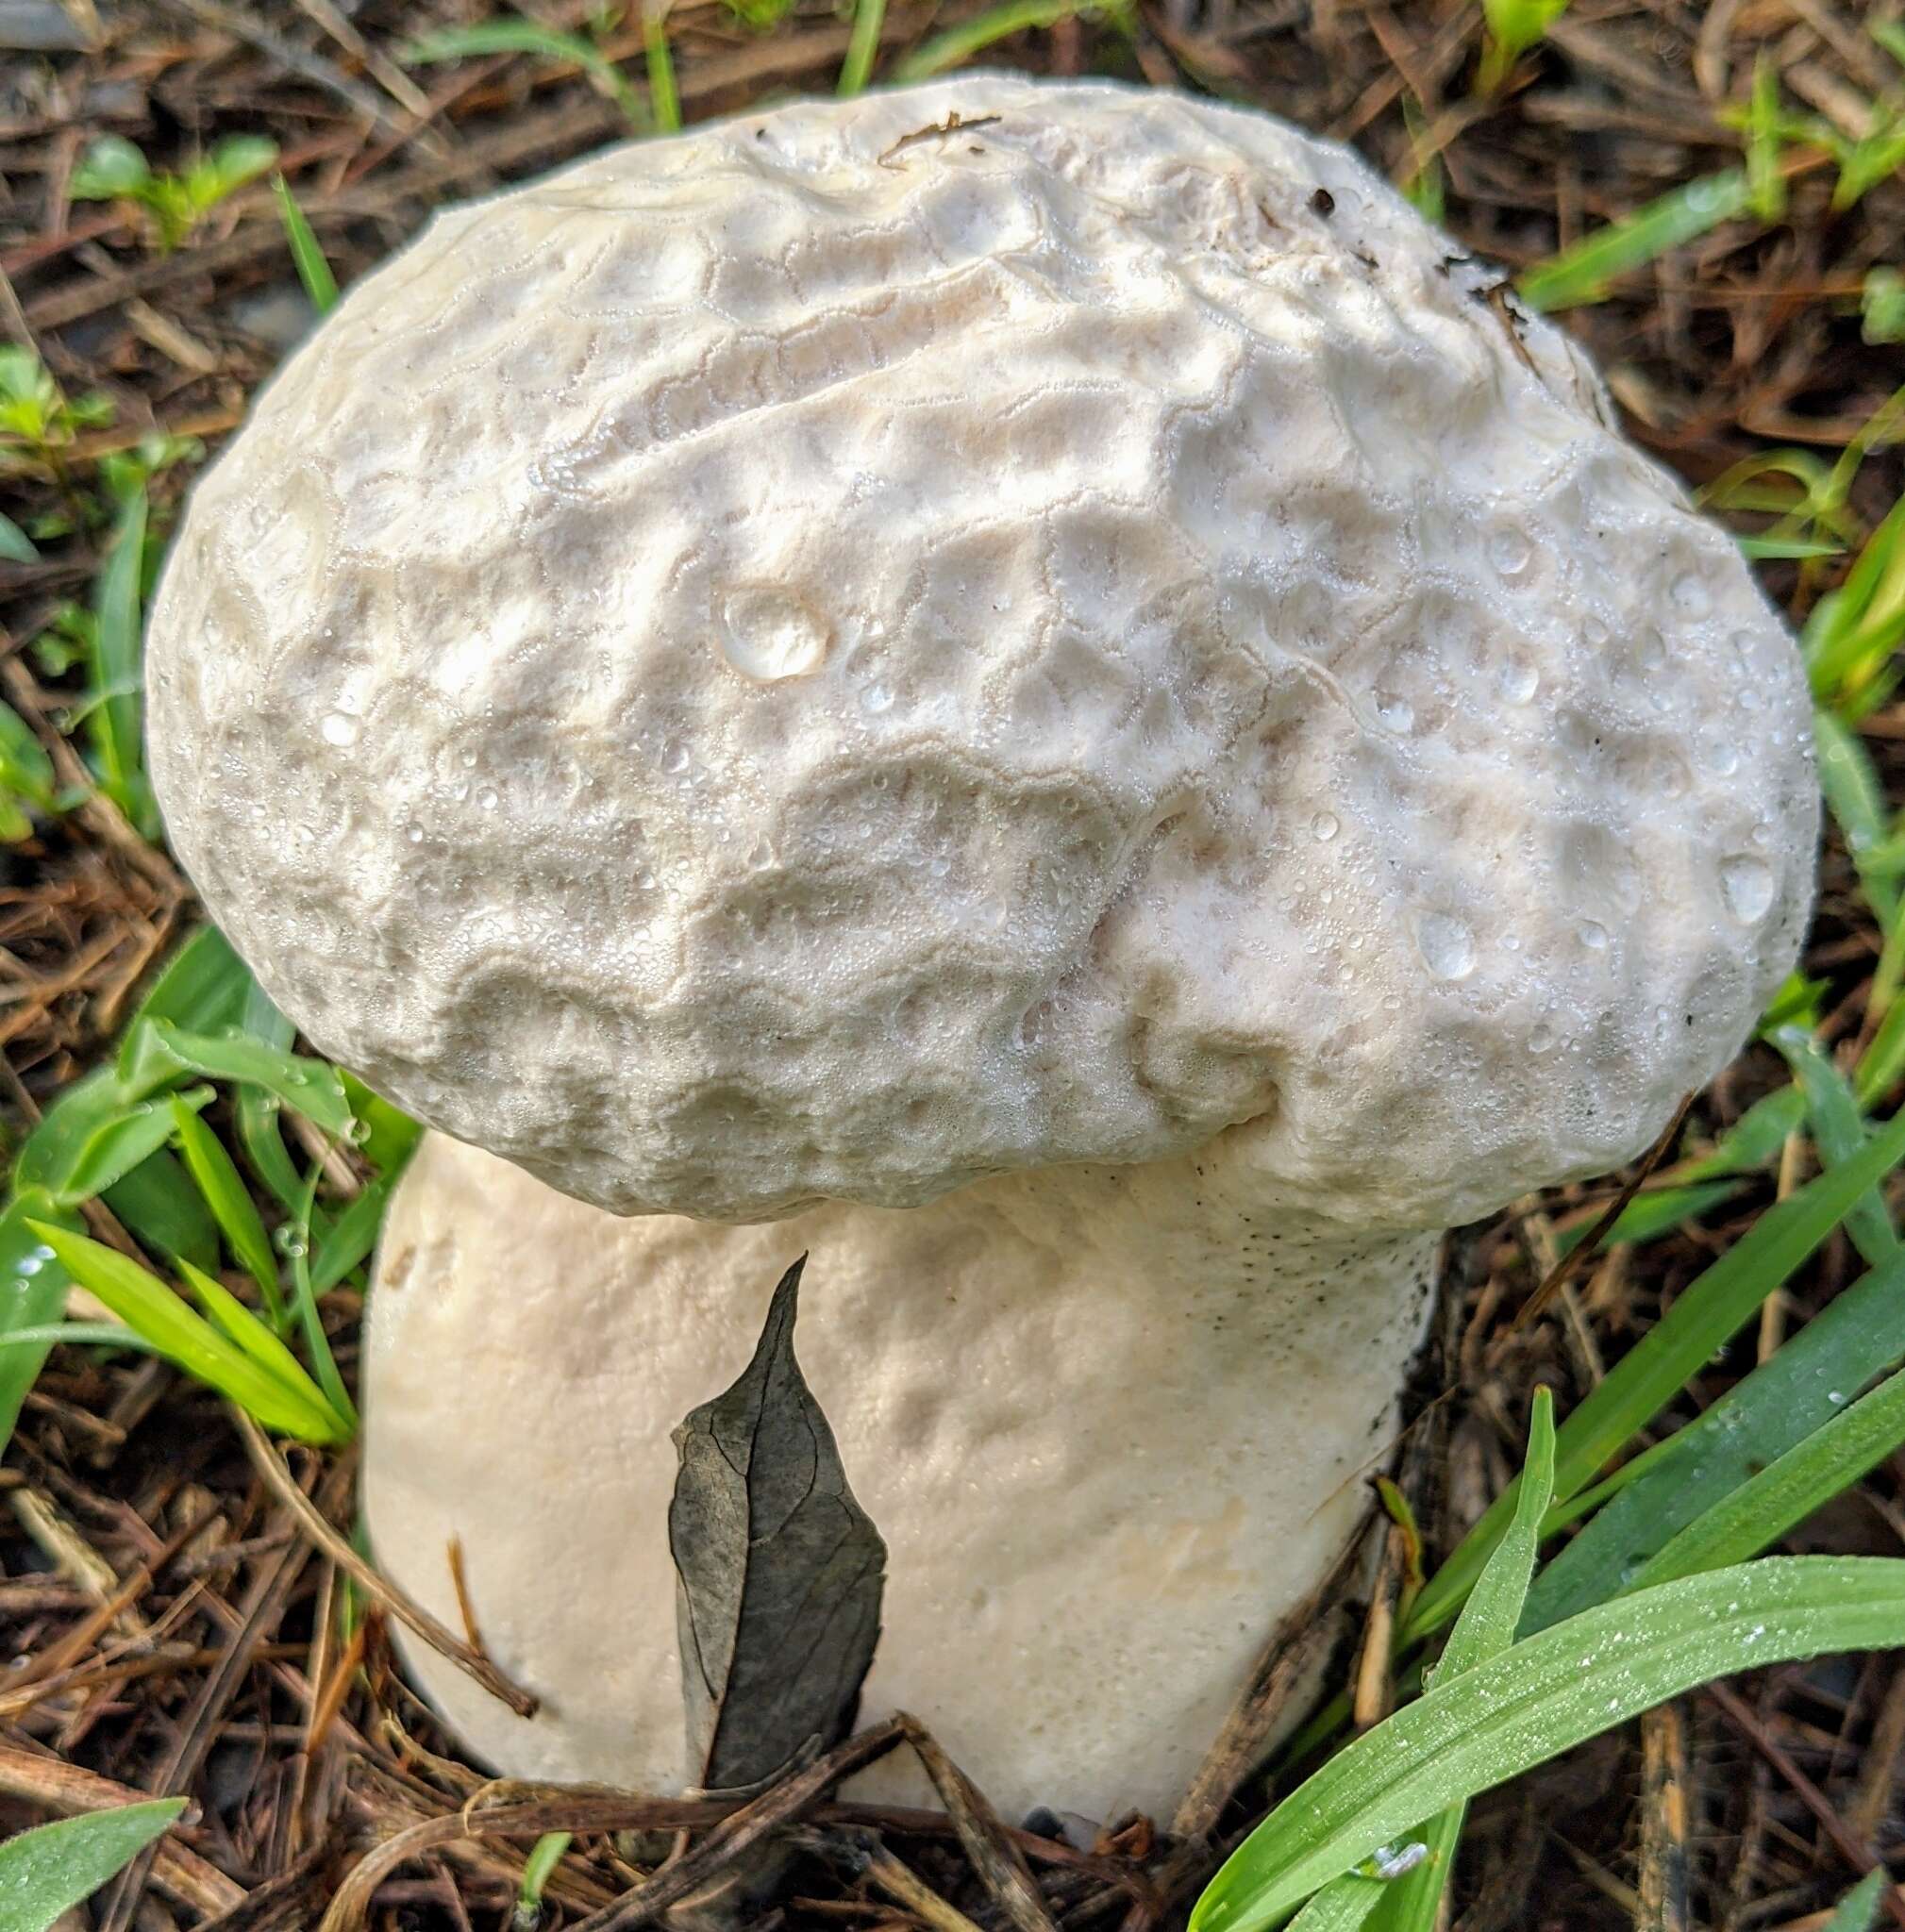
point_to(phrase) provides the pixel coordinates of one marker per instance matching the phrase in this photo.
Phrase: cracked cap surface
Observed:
(998, 623)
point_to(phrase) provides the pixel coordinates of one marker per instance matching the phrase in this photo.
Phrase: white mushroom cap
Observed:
(844, 653)
(1111, 1425)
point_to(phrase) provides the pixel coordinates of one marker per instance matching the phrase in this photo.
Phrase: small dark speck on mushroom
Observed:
(1323, 202)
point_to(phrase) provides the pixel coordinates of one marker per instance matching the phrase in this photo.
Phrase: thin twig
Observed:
(1741, 1715)
(1665, 1823)
(396, 1603)
(66, 1789)
(991, 1853)
(787, 1801)
(1578, 1256)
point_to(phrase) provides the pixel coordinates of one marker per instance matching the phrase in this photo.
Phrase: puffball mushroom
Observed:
(1042, 678)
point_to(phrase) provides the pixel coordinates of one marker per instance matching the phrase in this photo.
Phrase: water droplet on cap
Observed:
(767, 635)
(1518, 680)
(1690, 595)
(1747, 885)
(1446, 945)
(1509, 551)
(339, 728)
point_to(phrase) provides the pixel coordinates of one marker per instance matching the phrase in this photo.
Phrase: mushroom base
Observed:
(1112, 1423)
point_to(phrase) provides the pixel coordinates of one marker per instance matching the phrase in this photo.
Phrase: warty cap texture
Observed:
(1009, 623)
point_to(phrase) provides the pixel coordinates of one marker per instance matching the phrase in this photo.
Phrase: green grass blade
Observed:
(47, 1154)
(1855, 629)
(164, 1051)
(1701, 1184)
(113, 723)
(1652, 1213)
(520, 35)
(163, 1210)
(1859, 1909)
(1886, 858)
(304, 1299)
(1753, 1140)
(1485, 1628)
(33, 1290)
(1857, 801)
(537, 1868)
(1860, 1334)
(145, 1304)
(1869, 161)
(1889, 972)
(72, 1153)
(513, 36)
(1487, 1624)
(44, 1872)
(1785, 549)
(243, 1330)
(24, 766)
(1838, 1132)
(1412, 1903)
(16, 546)
(1341, 1905)
(957, 45)
(1781, 1496)
(1765, 184)
(1882, 1064)
(313, 271)
(217, 1178)
(352, 1236)
(260, 1019)
(257, 1115)
(79, 1334)
(257, 1110)
(129, 1133)
(1652, 1373)
(204, 987)
(863, 46)
(386, 1136)
(665, 98)
(1588, 269)
(1545, 1696)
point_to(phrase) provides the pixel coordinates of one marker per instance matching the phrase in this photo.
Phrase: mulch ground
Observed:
(170, 1627)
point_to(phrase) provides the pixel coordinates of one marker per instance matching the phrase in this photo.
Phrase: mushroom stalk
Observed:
(1112, 1421)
